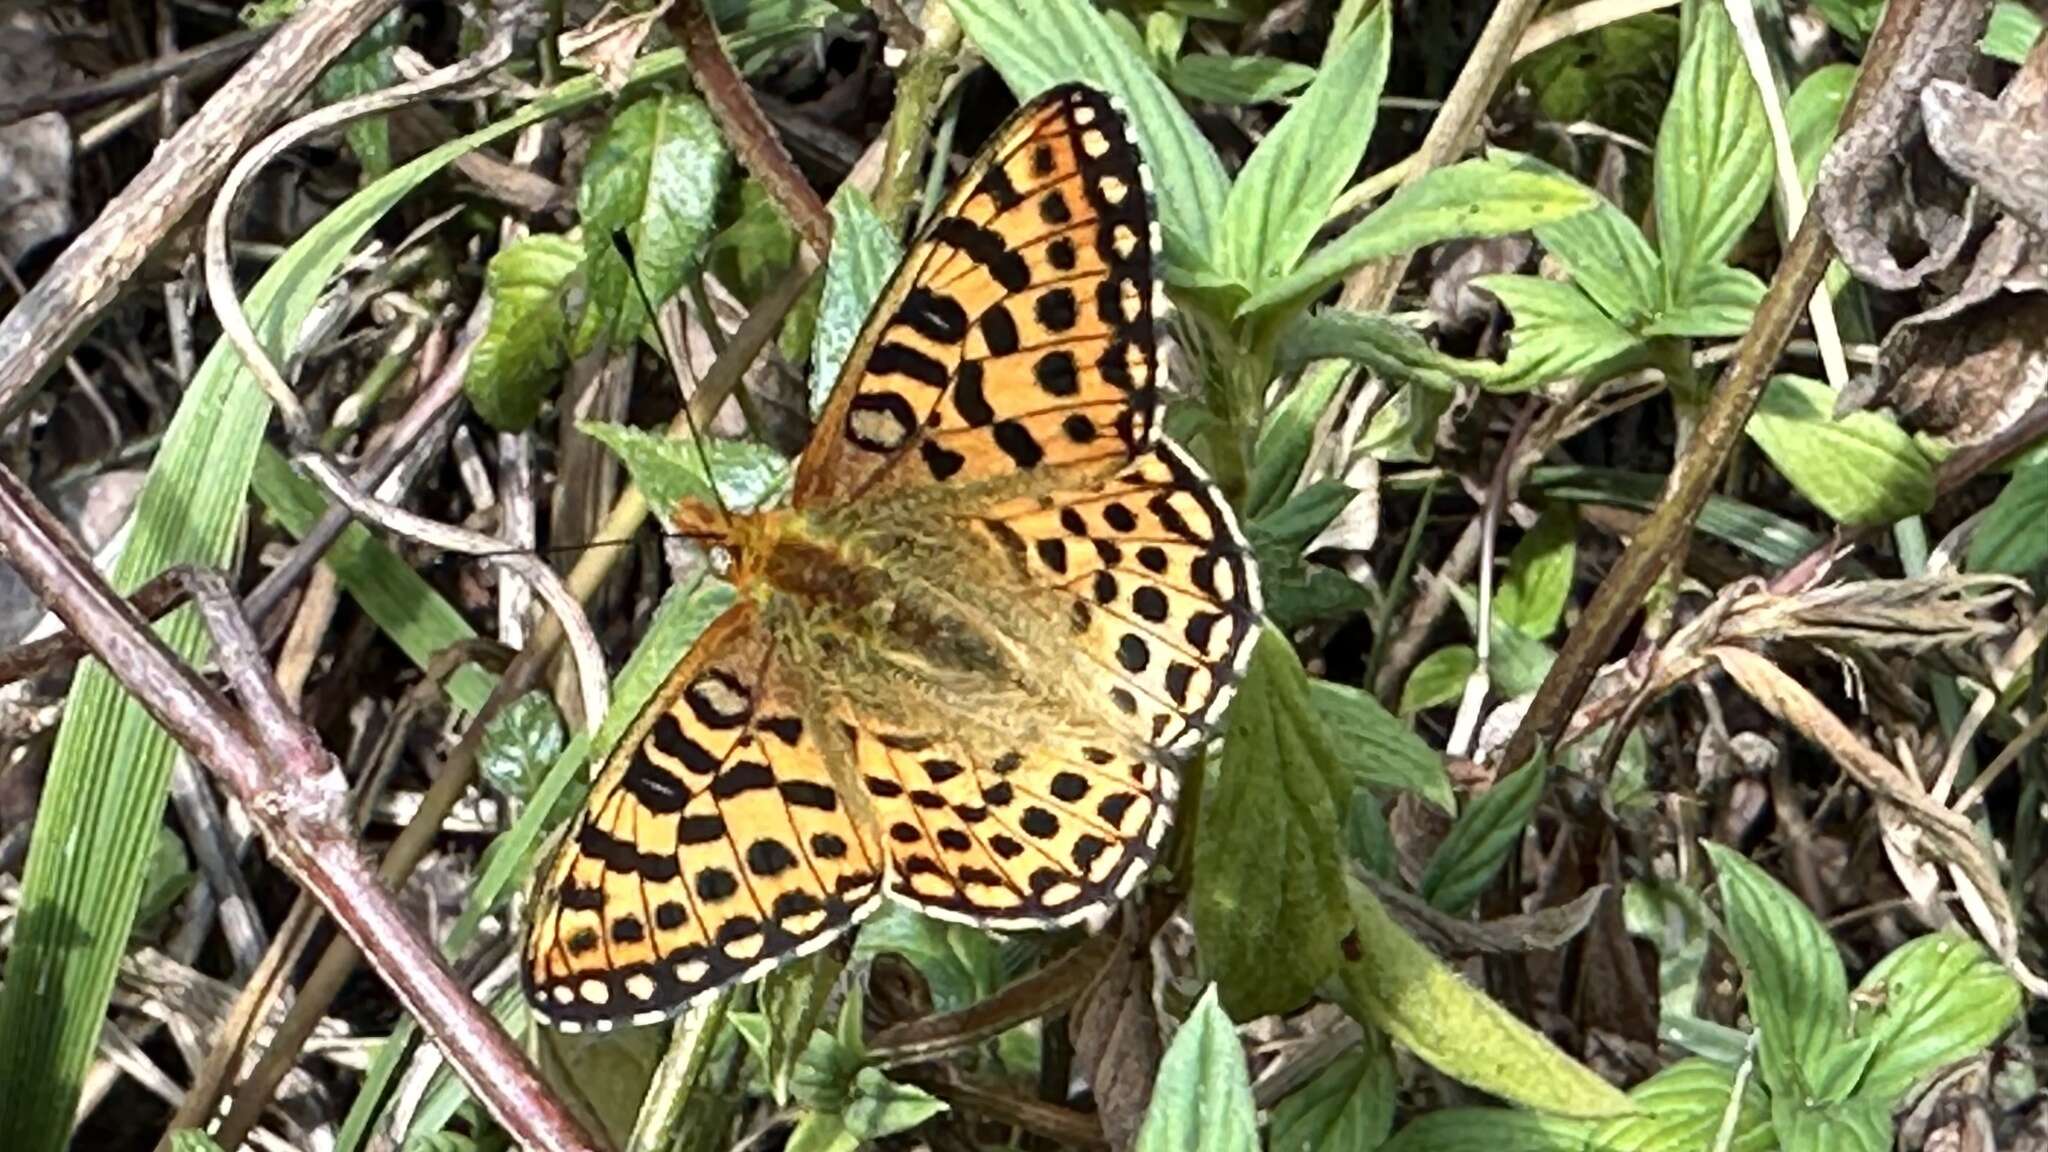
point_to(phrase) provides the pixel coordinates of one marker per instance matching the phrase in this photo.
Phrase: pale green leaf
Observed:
(1348, 1105)
(1862, 469)
(1488, 1130)
(1388, 347)
(1863, 1124)
(1931, 1002)
(1719, 301)
(1682, 1109)
(1854, 19)
(1438, 678)
(671, 471)
(1539, 579)
(1558, 333)
(520, 744)
(1713, 160)
(1792, 977)
(1813, 113)
(523, 353)
(2013, 536)
(883, 1107)
(2011, 33)
(1375, 747)
(1605, 254)
(1201, 1098)
(1239, 79)
(864, 253)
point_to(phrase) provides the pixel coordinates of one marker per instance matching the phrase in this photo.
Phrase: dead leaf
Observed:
(1116, 1035)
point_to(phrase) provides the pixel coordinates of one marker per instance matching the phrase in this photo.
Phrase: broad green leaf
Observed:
(1473, 199)
(1438, 678)
(1792, 977)
(1719, 301)
(1375, 747)
(1605, 253)
(671, 471)
(655, 172)
(1037, 44)
(1516, 661)
(959, 963)
(1682, 1108)
(1713, 162)
(1388, 347)
(1539, 580)
(1297, 591)
(1863, 1124)
(864, 253)
(1558, 333)
(1932, 1002)
(104, 794)
(1266, 859)
(1349, 1105)
(1484, 836)
(192, 1140)
(2011, 33)
(1285, 190)
(520, 744)
(1489, 1130)
(1813, 113)
(367, 66)
(1396, 985)
(2013, 536)
(882, 1107)
(1862, 469)
(1238, 79)
(1768, 537)
(1201, 1098)
(1287, 436)
(523, 353)
(1854, 19)
(1404, 429)
(758, 248)
(1290, 527)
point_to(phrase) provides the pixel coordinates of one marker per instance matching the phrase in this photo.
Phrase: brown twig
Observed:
(1033, 997)
(290, 785)
(85, 280)
(1695, 473)
(151, 601)
(746, 127)
(192, 63)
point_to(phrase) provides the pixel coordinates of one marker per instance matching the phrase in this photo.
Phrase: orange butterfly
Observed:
(966, 659)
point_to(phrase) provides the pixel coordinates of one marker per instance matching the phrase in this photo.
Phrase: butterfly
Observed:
(967, 658)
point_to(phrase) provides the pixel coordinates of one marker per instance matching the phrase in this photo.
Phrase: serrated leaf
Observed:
(1713, 161)
(959, 963)
(1475, 198)
(2011, 33)
(1438, 678)
(1285, 189)
(883, 1107)
(1539, 580)
(1396, 985)
(1682, 1109)
(1932, 1002)
(670, 471)
(2013, 536)
(864, 253)
(1036, 44)
(520, 744)
(1792, 976)
(1250, 79)
(1348, 1105)
(1287, 436)
(1862, 469)
(1718, 301)
(522, 354)
(1482, 839)
(1266, 860)
(1488, 1130)
(1375, 747)
(655, 172)
(1605, 254)
(1558, 333)
(1202, 1098)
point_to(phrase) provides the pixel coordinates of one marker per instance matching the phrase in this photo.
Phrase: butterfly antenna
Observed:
(624, 245)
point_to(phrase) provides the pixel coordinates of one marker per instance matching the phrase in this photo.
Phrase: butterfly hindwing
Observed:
(1020, 332)
(713, 846)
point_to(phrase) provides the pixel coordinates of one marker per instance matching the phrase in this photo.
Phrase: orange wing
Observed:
(712, 847)
(1020, 332)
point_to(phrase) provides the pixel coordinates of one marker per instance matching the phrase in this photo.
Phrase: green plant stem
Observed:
(919, 84)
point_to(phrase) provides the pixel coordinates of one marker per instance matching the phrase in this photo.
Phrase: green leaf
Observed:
(671, 471)
(1291, 526)
(1287, 186)
(1558, 333)
(655, 172)
(1473, 199)
(192, 1140)
(1862, 469)
(523, 353)
(1348, 1105)
(367, 66)
(757, 248)
(1713, 162)
(520, 744)
(1376, 748)
(1201, 1098)
(1718, 301)
(1489, 1130)
(1438, 678)
(2013, 536)
(1037, 44)
(959, 963)
(1860, 1125)
(1768, 537)
(1605, 254)
(1854, 19)
(1540, 569)
(1381, 343)
(1932, 1002)
(1404, 429)
(1396, 985)
(1813, 113)
(1287, 436)
(1792, 976)
(1266, 859)
(882, 1107)
(1681, 1109)
(1517, 662)
(1482, 839)
(864, 253)
(2011, 33)
(1238, 79)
